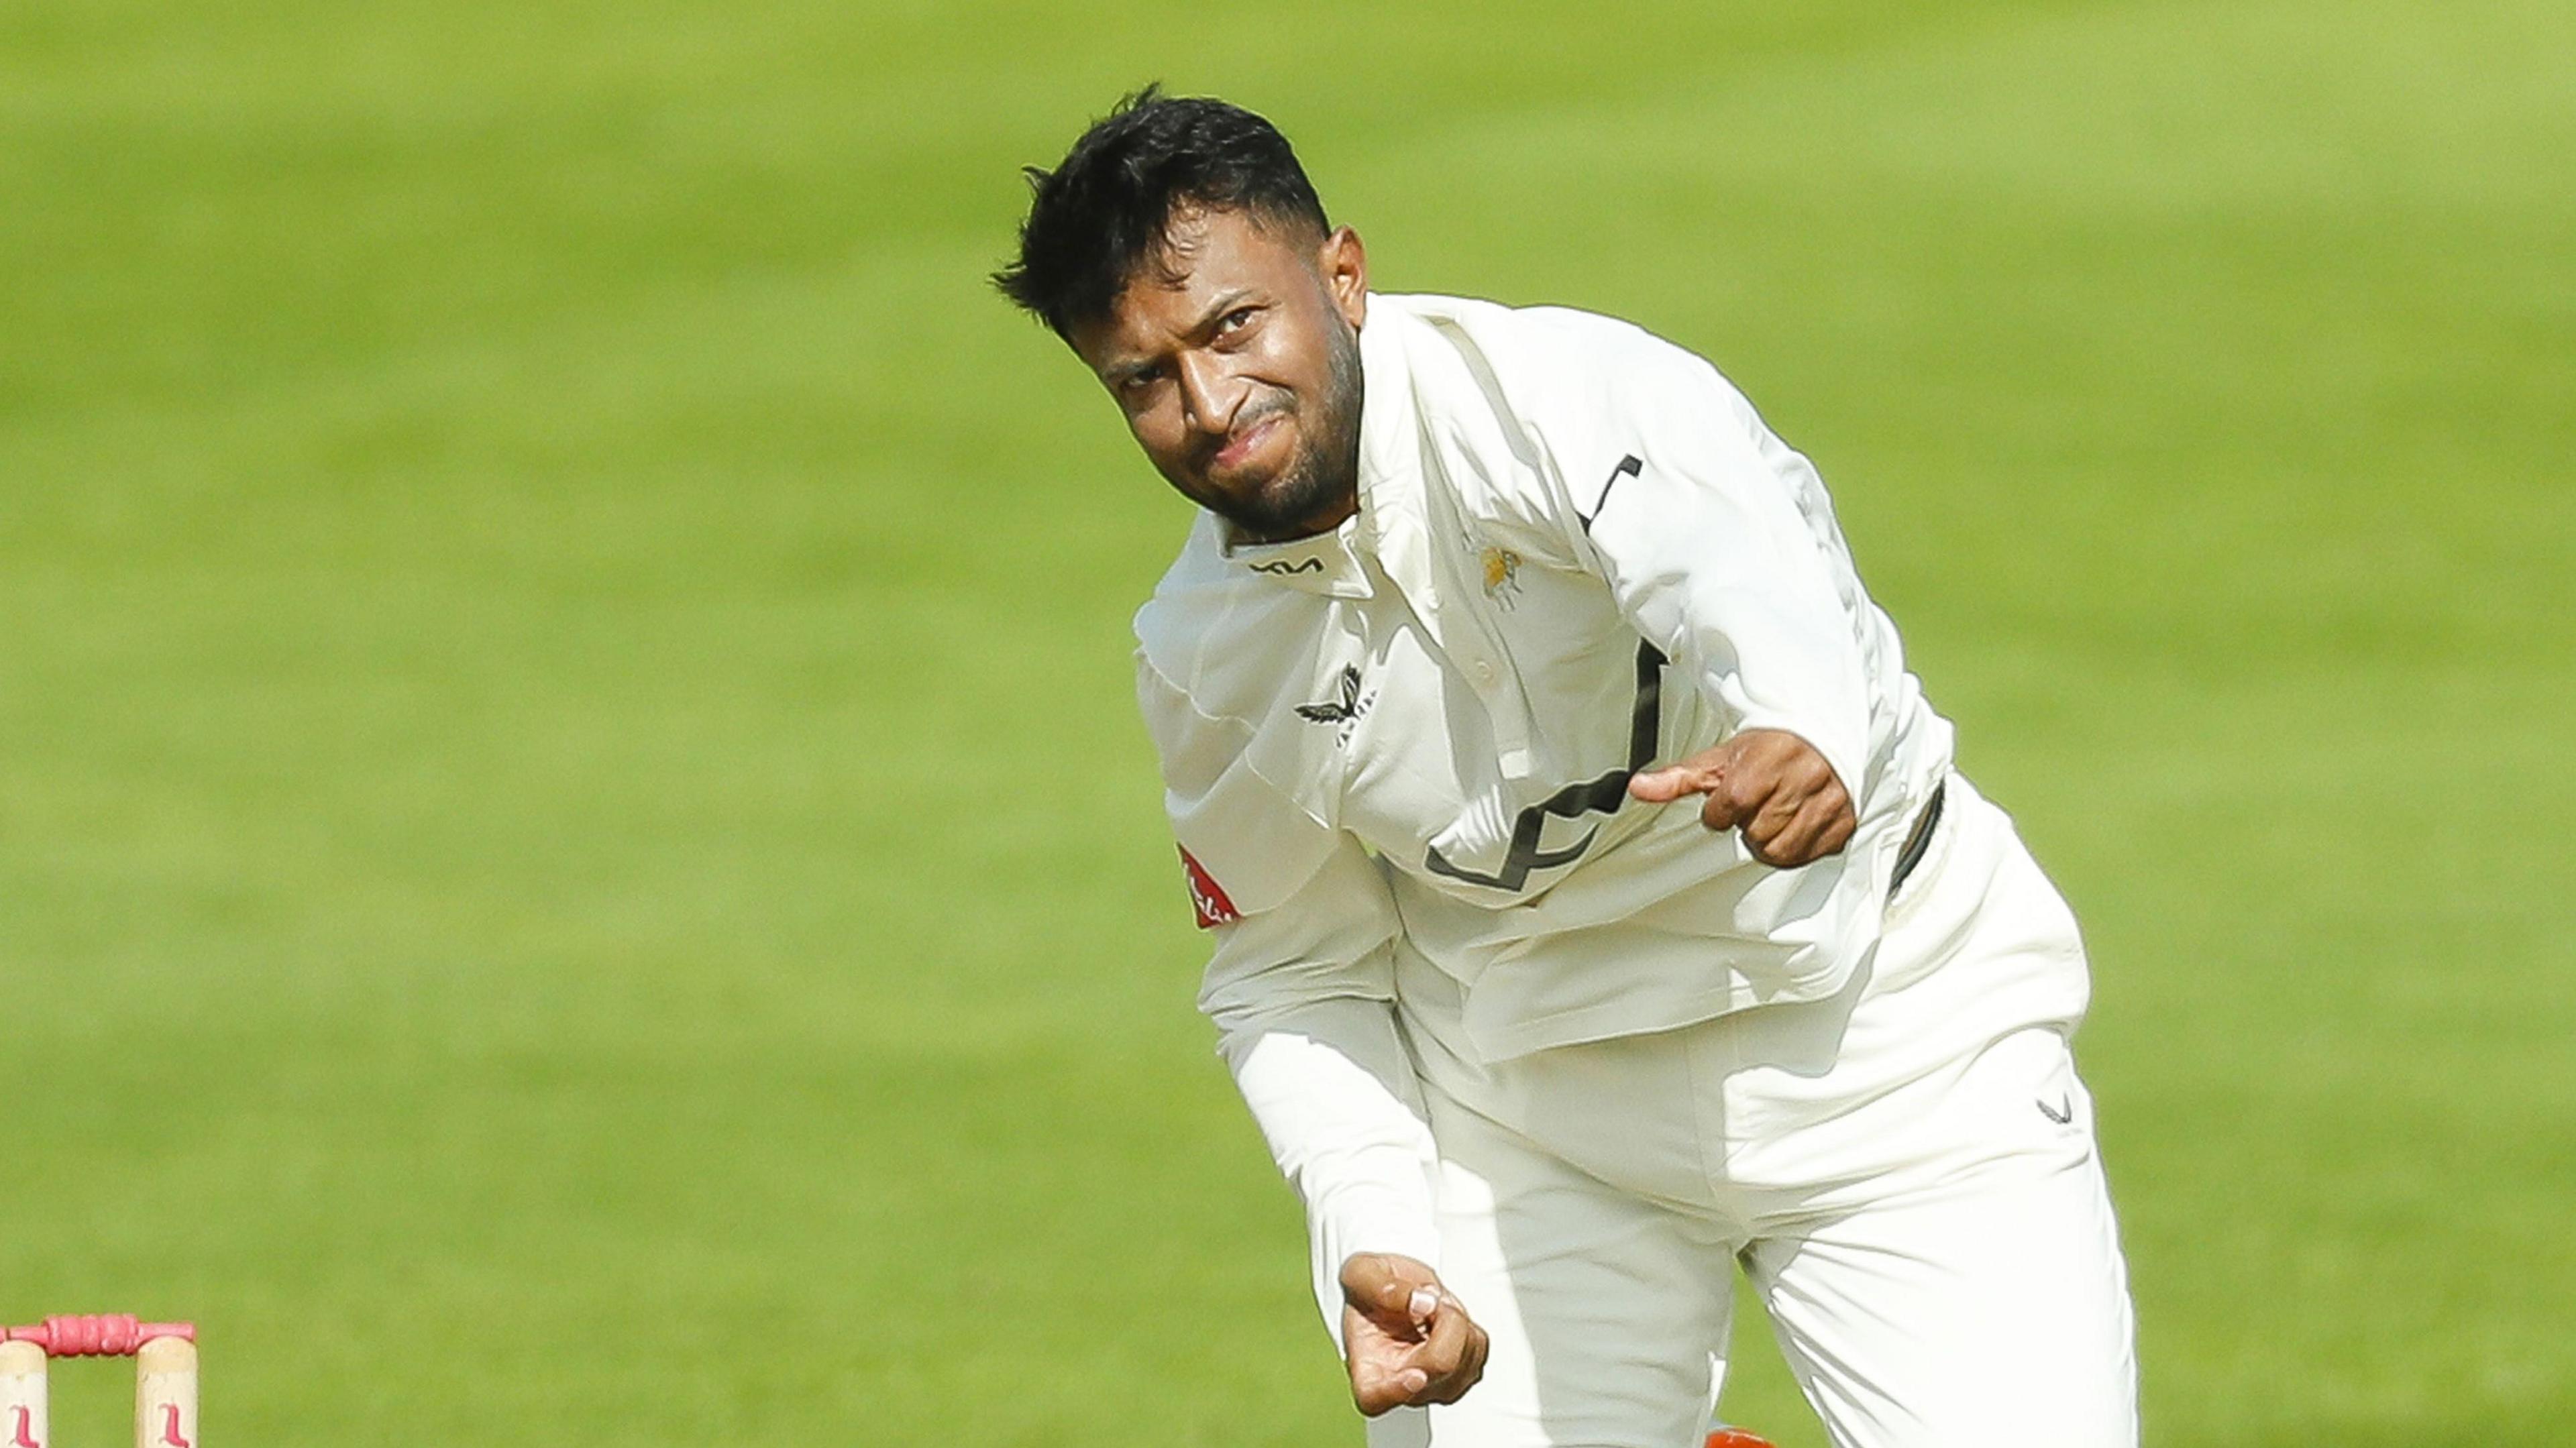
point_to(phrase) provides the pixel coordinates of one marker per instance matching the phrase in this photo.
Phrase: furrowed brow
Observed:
(1117, 373)
(1217, 309)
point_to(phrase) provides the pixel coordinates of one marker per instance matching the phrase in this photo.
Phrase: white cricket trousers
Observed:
(1906, 1172)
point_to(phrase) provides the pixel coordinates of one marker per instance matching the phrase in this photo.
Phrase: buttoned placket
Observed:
(1396, 499)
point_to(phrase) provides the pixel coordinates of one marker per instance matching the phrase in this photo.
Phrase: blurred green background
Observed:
(575, 862)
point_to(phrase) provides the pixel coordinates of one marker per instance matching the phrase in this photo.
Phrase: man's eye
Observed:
(1234, 319)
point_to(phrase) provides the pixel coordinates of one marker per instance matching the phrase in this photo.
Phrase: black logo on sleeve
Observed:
(1282, 566)
(1629, 467)
(1603, 795)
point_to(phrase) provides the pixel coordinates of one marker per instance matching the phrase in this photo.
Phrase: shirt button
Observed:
(1482, 671)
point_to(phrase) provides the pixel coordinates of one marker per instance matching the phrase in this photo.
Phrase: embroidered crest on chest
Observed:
(1502, 572)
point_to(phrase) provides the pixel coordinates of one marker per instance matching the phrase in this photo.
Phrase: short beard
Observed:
(1322, 480)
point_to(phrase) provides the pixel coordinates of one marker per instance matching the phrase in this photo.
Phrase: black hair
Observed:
(1093, 219)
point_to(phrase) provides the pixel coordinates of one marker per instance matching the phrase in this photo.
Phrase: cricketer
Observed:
(1594, 905)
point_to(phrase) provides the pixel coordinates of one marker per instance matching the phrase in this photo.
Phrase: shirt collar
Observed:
(1395, 528)
(1390, 450)
(1326, 563)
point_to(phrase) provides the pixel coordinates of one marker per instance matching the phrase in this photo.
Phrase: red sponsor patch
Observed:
(1207, 897)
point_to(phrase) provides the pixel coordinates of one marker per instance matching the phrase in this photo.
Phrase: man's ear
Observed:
(1343, 263)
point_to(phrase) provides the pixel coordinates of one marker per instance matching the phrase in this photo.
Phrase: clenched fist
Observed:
(1406, 1340)
(1769, 783)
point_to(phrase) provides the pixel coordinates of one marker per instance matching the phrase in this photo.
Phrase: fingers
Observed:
(1732, 779)
(1386, 1300)
(1387, 1288)
(1479, 1347)
(1662, 786)
(1452, 1355)
(1722, 806)
(1379, 1383)
(1769, 783)
(1380, 1356)
(1405, 1339)
(1442, 1358)
(1735, 799)
(1791, 830)
(1805, 815)
(1444, 1342)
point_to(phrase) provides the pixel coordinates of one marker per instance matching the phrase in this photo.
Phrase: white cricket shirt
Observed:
(1578, 553)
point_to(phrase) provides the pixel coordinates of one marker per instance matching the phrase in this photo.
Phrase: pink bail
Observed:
(110, 1334)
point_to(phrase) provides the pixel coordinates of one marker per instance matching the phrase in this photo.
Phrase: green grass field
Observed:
(575, 862)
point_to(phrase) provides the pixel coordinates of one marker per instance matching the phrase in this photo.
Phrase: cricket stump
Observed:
(165, 1394)
(165, 1375)
(22, 1395)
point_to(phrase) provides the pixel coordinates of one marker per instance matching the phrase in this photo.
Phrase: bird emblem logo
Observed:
(1344, 710)
(1337, 711)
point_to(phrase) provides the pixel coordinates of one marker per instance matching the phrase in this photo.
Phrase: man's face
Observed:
(1235, 356)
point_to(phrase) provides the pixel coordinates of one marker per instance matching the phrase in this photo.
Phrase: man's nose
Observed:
(1209, 396)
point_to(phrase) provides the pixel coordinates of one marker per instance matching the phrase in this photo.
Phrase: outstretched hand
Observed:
(1406, 1340)
(1769, 783)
